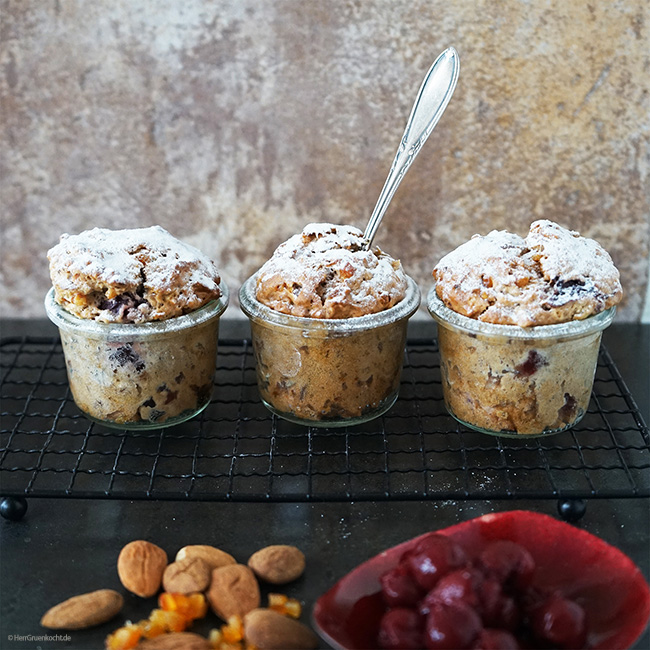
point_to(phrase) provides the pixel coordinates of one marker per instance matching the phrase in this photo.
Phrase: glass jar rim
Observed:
(570, 329)
(65, 320)
(257, 311)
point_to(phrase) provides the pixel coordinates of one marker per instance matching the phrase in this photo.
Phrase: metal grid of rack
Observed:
(237, 451)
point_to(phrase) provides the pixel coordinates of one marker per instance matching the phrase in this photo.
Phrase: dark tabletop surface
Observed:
(67, 546)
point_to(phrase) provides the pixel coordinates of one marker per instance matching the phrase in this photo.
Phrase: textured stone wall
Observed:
(234, 123)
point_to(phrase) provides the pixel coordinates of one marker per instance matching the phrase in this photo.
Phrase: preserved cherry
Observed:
(438, 599)
(560, 622)
(508, 562)
(490, 639)
(462, 584)
(433, 557)
(451, 626)
(399, 588)
(497, 608)
(401, 629)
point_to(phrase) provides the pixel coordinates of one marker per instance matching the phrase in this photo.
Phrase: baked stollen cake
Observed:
(552, 276)
(325, 272)
(130, 276)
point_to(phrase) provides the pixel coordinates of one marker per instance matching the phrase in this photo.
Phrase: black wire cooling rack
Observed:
(237, 451)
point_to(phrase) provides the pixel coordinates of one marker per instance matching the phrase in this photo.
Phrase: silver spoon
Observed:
(432, 99)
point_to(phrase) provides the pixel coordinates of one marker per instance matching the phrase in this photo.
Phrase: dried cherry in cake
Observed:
(567, 412)
(125, 354)
(401, 628)
(399, 588)
(122, 305)
(433, 557)
(533, 362)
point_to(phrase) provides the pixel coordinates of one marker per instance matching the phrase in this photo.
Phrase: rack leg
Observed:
(13, 508)
(572, 509)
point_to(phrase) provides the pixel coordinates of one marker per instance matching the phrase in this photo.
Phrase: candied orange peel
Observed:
(285, 605)
(190, 606)
(124, 638)
(229, 636)
(176, 613)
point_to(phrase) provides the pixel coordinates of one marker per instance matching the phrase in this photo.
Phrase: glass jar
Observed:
(145, 375)
(511, 381)
(328, 372)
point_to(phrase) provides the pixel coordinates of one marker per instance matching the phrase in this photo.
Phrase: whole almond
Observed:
(278, 564)
(140, 567)
(186, 576)
(268, 630)
(233, 591)
(214, 557)
(83, 611)
(176, 641)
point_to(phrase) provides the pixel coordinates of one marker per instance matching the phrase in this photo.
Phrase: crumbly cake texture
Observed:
(331, 379)
(517, 386)
(130, 276)
(142, 381)
(552, 276)
(324, 272)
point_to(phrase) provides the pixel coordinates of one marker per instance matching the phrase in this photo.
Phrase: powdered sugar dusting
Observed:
(134, 275)
(564, 253)
(111, 255)
(324, 272)
(553, 275)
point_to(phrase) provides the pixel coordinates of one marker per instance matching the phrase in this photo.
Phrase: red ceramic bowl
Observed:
(609, 586)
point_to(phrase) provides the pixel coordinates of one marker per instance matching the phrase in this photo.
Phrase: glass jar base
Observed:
(505, 433)
(335, 423)
(143, 425)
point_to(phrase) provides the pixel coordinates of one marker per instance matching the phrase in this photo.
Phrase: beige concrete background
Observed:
(234, 123)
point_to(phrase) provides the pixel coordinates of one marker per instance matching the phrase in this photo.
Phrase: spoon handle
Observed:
(432, 99)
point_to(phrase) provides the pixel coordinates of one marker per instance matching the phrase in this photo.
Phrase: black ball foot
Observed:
(572, 509)
(13, 508)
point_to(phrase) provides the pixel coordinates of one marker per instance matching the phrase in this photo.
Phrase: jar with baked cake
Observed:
(519, 328)
(138, 315)
(328, 323)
